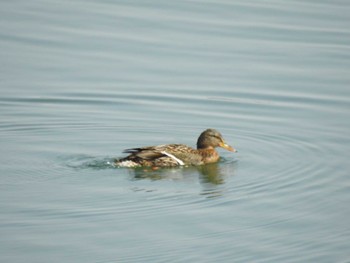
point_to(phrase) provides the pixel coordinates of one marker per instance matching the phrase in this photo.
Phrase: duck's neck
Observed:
(210, 155)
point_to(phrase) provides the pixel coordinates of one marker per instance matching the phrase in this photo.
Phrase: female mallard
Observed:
(177, 154)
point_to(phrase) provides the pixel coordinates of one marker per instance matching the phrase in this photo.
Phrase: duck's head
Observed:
(211, 138)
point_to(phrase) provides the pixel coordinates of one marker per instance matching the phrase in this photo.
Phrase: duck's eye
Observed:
(216, 137)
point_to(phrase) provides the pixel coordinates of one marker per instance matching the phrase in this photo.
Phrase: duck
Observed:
(171, 155)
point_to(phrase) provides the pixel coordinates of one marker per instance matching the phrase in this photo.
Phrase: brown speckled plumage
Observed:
(177, 154)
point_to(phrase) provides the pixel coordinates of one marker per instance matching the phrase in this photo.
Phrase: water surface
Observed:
(81, 81)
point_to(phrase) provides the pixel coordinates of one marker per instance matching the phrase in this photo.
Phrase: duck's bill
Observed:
(228, 147)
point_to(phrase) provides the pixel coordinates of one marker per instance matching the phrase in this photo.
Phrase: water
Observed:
(83, 80)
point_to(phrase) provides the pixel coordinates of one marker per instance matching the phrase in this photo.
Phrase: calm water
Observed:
(82, 80)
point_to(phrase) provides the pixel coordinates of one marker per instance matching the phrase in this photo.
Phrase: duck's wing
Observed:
(174, 151)
(184, 153)
(147, 153)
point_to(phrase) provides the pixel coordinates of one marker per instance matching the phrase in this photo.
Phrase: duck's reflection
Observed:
(211, 176)
(211, 173)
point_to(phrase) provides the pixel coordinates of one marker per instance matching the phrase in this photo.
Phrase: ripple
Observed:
(268, 160)
(89, 162)
(82, 83)
(280, 158)
(280, 168)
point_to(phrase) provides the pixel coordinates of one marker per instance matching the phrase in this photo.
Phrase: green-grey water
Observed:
(83, 80)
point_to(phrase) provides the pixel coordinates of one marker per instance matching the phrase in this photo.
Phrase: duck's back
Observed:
(162, 155)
